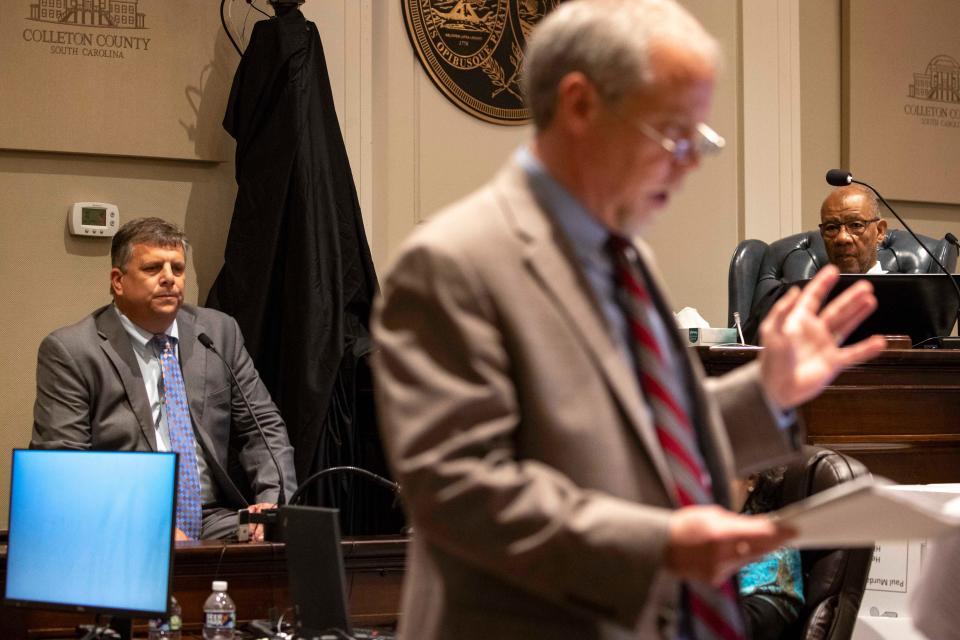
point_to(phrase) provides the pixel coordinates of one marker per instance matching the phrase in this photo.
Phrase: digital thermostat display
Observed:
(94, 219)
(94, 216)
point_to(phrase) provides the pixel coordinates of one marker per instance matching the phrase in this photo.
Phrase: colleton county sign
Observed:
(939, 83)
(89, 28)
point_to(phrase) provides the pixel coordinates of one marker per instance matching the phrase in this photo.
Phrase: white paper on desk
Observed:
(861, 512)
(735, 347)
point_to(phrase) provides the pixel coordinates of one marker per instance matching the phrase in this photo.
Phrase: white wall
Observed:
(413, 152)
(694, 238)
(49, 278)
(822, 64)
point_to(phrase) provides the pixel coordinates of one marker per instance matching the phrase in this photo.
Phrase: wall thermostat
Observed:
(94, 219)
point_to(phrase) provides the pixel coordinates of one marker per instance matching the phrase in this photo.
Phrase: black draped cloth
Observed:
(297, 272)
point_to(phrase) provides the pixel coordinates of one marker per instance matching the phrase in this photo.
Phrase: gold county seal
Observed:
(472, 50)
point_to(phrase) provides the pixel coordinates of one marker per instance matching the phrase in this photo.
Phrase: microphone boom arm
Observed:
(301, 490)
(838, 177)
(208, 343)
(910, 231)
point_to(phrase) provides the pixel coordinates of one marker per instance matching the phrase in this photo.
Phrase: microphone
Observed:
(208, 343)
(841, 178)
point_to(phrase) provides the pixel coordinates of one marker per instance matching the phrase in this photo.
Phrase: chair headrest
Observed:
(801, 255)
(796, 257)
(900, 253)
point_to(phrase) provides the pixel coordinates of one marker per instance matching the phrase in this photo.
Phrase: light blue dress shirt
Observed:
(588, 237)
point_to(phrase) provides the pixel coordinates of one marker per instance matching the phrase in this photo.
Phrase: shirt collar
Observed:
(587, 235)
(141, 336)
(876, 268)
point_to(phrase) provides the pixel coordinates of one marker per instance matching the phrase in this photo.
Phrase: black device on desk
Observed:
(315, 570)
(92, 531)
(920, 305)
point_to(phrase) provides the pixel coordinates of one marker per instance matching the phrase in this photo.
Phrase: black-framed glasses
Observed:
(853, 227)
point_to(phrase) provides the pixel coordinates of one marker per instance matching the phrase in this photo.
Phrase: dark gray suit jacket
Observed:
(91, 395)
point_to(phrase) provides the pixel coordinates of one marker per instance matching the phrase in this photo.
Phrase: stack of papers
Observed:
(861, 512)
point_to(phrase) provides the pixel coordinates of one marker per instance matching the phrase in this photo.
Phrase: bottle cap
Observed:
(219, 585)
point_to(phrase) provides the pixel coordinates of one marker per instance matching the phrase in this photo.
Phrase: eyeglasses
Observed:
(704, 141)
(853, 227)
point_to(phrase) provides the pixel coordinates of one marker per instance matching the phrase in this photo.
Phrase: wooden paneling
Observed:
(257, 577)
(898, 414)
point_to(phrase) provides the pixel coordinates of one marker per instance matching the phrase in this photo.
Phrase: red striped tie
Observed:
(713, 611)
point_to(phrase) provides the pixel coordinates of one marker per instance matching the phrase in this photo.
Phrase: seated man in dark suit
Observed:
(852, 231)
(132, 376)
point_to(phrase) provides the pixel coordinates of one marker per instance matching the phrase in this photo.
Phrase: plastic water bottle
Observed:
(219, 614)
(166, 627)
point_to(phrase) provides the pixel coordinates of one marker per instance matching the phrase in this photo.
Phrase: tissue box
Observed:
(697, 337)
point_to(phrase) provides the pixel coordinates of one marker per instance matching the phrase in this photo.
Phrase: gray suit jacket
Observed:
(91, 395)
(537, 489)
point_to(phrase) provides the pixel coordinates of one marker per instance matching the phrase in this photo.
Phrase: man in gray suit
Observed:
(565, 464)
(132, 376)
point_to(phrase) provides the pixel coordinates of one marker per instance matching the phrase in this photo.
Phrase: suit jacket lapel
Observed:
(193, 362)
(552, 261)
(116, 345)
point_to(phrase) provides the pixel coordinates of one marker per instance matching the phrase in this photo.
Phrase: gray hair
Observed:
(150, 231)
(609, 41)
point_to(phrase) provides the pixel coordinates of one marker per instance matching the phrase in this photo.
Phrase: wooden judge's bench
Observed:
(899, 414)
(257, 577)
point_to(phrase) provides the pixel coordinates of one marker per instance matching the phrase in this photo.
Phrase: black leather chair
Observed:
(756, 267)
(833, 579)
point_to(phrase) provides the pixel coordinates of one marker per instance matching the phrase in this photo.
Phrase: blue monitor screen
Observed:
(91, 530)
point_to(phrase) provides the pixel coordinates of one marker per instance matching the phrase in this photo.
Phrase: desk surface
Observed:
(899, 414)
(257, 577)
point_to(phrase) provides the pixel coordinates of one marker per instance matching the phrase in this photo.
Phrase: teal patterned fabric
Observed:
(771, 588)
(777, 579)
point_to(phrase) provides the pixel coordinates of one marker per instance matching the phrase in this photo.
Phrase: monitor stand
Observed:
(107, 628)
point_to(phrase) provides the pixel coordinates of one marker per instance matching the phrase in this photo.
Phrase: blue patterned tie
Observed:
(189, 512)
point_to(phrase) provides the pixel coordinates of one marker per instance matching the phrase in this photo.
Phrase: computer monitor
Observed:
(920, 305)
(91, 531)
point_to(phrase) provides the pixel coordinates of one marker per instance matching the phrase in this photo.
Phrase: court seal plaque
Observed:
(472, 50)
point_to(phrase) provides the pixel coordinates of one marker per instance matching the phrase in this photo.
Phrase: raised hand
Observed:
(802, 353)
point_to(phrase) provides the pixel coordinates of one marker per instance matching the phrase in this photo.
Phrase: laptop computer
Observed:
(316, 575)
(920, 305)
